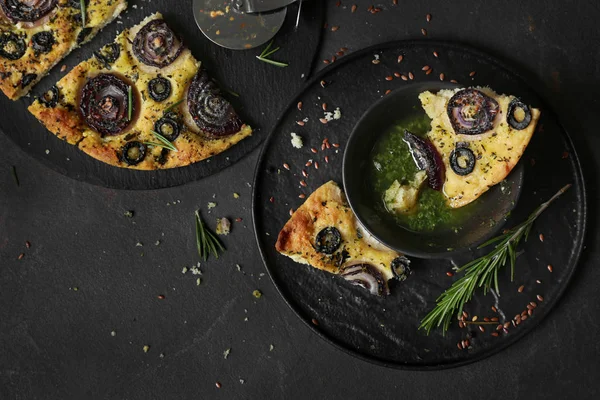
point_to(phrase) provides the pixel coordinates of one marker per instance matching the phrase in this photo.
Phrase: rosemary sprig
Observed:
(129, 103)
(268, 52)
(482, 272)
(206, 241)
(163, 142)
(83, 11)
(172, 106)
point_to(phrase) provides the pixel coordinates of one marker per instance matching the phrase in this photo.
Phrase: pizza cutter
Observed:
(241, 24)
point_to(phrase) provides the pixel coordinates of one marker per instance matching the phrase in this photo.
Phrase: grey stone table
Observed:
(77, 310)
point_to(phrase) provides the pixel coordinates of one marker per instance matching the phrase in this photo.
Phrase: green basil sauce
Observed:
(391, 160)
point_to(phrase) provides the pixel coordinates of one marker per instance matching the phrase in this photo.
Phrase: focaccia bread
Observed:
(325, 234)
(142, 102)
(36, 35)
(482, 143)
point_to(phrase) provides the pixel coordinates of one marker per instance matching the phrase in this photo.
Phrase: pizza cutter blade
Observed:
(226, 22)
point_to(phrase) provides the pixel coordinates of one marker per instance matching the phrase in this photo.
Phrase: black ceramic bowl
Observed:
(486, 220)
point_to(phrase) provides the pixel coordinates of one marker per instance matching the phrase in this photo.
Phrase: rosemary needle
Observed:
(482, 272)
(164, 142)
(268, 52)
(83, 11)
(206, 242)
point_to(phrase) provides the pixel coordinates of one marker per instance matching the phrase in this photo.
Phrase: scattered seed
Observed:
(324, 106)
(323, 121)
(481, 328)
(494, 309)
(467, 343)
(272, 199)
(302, 183)
(340, 53)
(316, 165)
(404, 77)
(375, 61)
(465, 314)
(499, 327)
(336, 145)
(540, 298)
(428, 17)
(28, 245)
(505, 330)
(304, 174)
(453, 81)
(334, 28)
(21, 256)
(400, 58)
(344, 49)
(325, 61)
(161, 297)
(524, 317)
(218, 385)
(286, 166)
(472, 73)
(333, 58)
(301, 123)
(506, 325)
(533, 304)
(322, 146)
(521, 288)
(395, 2)
(426, 68)
(327, 159)
(314, 322)
(238, 220)
(459, 346)
(495, 334)
(461, 324)
(442, 76)
(429, 71)
(486, 319)
(313, 150)
(302, 196)
(449, 273)
(424, 31)
(353, 9)
(565, 155)
(397, 74)
(339, 3)
(435, 54)
(323, 84)
(299, 106)
(530, 312)
(308, 164)
(550, 268)
(538, 281)
(411, 76)
(474, 318)
(494, 319)
(291, 212)
(389, 78)
(542, 237)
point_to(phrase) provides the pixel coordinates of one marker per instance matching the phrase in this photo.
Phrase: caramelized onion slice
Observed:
(27, 10)
(472, 112)
(368, 277)
(213, 114)
(156, 44)
(105, 104)
(426, 158)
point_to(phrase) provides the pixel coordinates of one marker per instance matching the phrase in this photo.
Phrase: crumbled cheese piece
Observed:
(226, 353)
(113, 333)
(128, 214)
(236, 195)
(328, 116)
(257, 294)
(198, 281)
(223, 226)
(297, 141)
(184, 270)
(195, 269)
(212, 204)
(146, 348)
(337, 113)
(271, 347)
(139, 244)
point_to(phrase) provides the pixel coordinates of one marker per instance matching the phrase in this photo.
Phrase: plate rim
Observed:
(534, 86)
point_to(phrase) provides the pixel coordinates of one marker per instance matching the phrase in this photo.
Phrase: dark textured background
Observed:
(56, 343)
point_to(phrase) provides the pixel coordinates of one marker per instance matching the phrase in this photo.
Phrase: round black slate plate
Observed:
(263, 90)
(384, 330)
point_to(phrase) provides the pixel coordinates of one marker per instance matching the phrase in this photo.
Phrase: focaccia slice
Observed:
(325, 234)
(496, 151)
(163, 86)
(34, 38)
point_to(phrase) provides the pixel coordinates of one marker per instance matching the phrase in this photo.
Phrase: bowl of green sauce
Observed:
(377, 160)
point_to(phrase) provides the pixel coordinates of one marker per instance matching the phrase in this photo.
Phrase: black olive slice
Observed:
(401, 267)
(12, 46)
(27, 79)
(462, 161)
(42, 42)
(50, 98)
(156, 44)
(213, 114)
(427, 158)
(83, 35)
(328, 240)
(27, 10)
(518, 123)
(133, 153)
(105, 104)
(167, 127)
(472, 112)
(159, 89)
